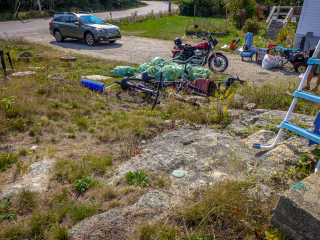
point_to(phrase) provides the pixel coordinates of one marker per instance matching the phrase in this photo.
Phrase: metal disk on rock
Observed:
(178, 173)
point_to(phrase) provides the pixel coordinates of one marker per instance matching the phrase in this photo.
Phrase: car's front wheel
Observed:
(90, 39)
(58, 36)
(113, 41)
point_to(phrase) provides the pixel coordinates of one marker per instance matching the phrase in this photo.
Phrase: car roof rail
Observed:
(72, 13)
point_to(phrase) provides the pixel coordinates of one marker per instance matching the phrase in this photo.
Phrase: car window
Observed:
(73, 19)
(65, 19)
(90, 19)
(57, 18)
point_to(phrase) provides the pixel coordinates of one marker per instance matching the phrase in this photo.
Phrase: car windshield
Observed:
(90, 19)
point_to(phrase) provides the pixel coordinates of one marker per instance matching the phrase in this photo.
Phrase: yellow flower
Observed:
(231, 96)
(271, 236)
(225, 111)
(211, 99)
(216, 94)
(213, 105)
(246, 83)
(221, 96)
(227, 92)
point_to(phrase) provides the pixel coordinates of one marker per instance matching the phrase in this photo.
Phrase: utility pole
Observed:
(40, 8)
(169, 10)
(194, 13)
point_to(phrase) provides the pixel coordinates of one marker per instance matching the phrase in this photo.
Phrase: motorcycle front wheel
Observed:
(218, 64)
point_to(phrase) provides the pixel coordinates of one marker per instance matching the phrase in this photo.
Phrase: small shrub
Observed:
(251, 25)
(26, 200)
(18, 124)
(79, 211)
(40, 223)
(283, 35)
(82, 185)
(82, 123)
(56, 103)
(23, 152)
(58, 232)
(7, 160)
(137, 178)
(6, 211)
(70, 129)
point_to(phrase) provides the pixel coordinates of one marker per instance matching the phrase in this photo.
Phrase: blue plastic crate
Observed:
(95, 86)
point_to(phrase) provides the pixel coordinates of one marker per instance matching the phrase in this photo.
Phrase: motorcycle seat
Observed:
(186, 47)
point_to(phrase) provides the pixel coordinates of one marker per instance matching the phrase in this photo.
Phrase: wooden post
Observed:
(194, 13)
(40, 8)
(169, 10)
(226, 19)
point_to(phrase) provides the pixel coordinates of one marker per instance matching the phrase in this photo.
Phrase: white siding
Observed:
(310, 18)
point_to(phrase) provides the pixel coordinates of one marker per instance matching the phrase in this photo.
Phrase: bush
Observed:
(205, 8)
(252, 25)
(241, 10)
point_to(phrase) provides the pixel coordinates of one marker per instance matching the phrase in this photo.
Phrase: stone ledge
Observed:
(298, 210)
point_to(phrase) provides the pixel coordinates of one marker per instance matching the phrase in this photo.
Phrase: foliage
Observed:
(82, 185)
(275, 97)
(204, 8)
(225, 209)
(138, 178)
(29, 8)
(241, 10)
(286, 35)
(251, 25)
(134, 18)
(8, 102)
(7, 160)
(26, 200)
(6, 211)
(260, 11)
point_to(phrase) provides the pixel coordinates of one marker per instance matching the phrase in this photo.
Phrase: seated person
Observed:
(316, 69)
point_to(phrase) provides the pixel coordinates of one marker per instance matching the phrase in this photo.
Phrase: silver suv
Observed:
(82, 26)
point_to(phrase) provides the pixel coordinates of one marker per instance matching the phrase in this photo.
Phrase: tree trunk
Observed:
(40, 8)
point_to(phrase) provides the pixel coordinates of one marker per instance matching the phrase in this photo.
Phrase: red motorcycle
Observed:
(199, 54)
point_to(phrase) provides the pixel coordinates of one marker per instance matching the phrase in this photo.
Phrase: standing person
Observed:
(316, 69)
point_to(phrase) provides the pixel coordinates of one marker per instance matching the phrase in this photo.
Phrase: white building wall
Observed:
(309, 21)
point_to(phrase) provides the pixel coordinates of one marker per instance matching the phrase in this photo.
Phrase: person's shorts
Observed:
(316, 68)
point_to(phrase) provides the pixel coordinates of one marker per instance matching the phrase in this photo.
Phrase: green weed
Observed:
(138, 178)
(82, 185)
(7, 160)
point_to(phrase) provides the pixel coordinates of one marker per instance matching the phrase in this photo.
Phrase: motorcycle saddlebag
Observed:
(202, 84)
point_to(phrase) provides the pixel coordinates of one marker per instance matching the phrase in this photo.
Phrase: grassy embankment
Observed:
(87, 135)
(170, 27)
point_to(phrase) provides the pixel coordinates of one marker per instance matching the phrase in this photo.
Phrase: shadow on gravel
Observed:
(81, 45)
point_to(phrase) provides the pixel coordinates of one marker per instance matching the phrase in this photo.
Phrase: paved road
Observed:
(36, 25)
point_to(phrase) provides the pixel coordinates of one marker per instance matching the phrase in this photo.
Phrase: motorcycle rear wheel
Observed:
(218, 64)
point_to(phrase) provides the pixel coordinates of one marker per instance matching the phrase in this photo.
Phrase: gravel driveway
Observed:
(140, 50)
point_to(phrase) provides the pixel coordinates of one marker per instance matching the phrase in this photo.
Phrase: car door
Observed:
(64, 25)
(76, 30)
